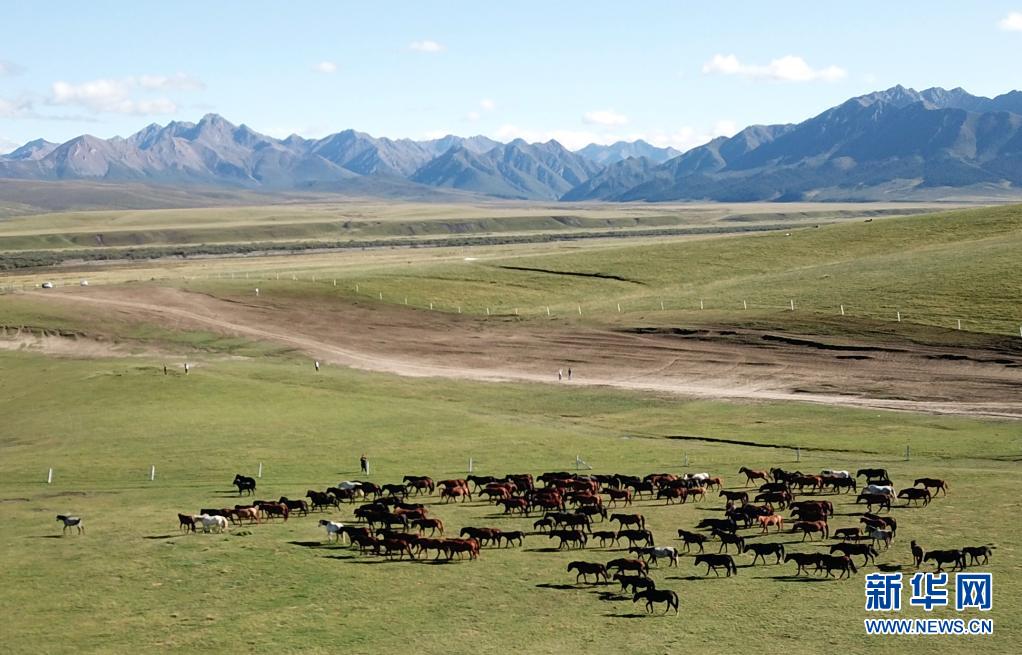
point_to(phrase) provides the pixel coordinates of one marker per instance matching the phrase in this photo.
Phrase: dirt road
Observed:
(712, 363)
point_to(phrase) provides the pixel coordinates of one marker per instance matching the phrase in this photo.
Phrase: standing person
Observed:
(164, 369)
(560, 374)
(317, 366)
(569, 372)
(363, 462)
(186, 368)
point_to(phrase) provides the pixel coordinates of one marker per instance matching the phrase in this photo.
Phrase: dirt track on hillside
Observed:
(723, 364)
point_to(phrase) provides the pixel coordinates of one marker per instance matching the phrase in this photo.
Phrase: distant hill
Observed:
(892, 144)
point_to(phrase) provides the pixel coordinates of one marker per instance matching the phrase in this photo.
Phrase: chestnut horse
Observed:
(809, 527)
(585, 569)
(771, 519)
(752, 474)
(932, 483)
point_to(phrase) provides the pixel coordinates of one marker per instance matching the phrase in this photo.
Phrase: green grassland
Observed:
(133, 582)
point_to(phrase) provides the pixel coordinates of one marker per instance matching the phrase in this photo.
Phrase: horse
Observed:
(214, 523)
(510, 537)
(657, 596)
(735, 496)
(830, 473)
(185, 521)
(842, 562)
(244, 483)
(714, 483)
(728, 538)
(762, 550)
(882, 522)
(395, 490)
(630, 519)
(299, 506)
(604, 536)
(569, 538)
(751, 474)
(879, 489)
(975, 552)
(482, 535)
(932, 483)
(620, 494)
(871, 474)
(400, 546)
(866, 550)
(809, 527)
(673, 493)
(942, 557)
(447, 494)
(334, 530)
(782, 498)
(250, 513)
(881, 500)
(74, 522)
(654, 553)
(886, 536)
(636, 582)
(585, 569)
(847, 534)
(720, 525)
(419, 485)
(636, 536)
(690, 538)
(364, 542)
(803, 561)
(623, 564)
(771, 519)
(543, 524)
(912, 494)
(433, 524)
(848, 484)
(713, 561)
(321, 500)
(274, 509)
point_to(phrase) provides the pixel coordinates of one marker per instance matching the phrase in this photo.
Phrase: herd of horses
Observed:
(390, 521)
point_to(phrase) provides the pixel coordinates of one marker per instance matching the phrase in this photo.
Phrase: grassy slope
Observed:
(132, 582)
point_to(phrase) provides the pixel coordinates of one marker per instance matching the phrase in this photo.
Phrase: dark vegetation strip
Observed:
(753, 444)
(44, 258)
(602, 276)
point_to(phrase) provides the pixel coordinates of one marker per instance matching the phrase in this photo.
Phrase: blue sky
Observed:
(672, 73)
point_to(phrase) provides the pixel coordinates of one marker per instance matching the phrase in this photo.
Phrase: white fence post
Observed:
(842, 310)
(49, 477)
(260, 469)
(152, 473)
(798, 454)
(700, 303)
(745, 304)
(470, 465)
(792, 301)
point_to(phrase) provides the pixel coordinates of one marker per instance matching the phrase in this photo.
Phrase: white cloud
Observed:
(119, 96)
(7, 146)
(487, 105)
(426, 46)
(473, 116)
(327, 67)
(9, 68)
(607, 117)
(19, 108)
(1012, 22)
(786, 69)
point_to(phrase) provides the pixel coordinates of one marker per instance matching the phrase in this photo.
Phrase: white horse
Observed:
(334, 530)
(348, 484)
(830, 473)
(214, 523)
(878, 535)
(879, 489)
(71, 522)
(697, 476)
(665, 552)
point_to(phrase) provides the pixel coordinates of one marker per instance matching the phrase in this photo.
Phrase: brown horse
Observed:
(772, 519)
(714, 483)
(932, 483)
(570, 538)
(809, 527)
(186, 522)
(458, 547)
(630, 519)
(735, 496)
(714, 561)
(914, 495)
(250, 513)
(847, 534)
(690, 538)
(435, 525)
(803, 561)
(619, 495)
(447, 494)
(622, 564)
(657, 596)
(752, 474)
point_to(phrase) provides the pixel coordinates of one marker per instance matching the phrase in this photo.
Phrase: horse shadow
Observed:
(162, 536)
(797, 578)
(308, 544)
(47, 536)
(341, 557)
(632, 615)
(695, 577)
(611, 596)
(889, 568)
(562, 587)
(552, 549)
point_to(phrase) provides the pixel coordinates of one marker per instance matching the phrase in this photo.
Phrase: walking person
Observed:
(560, 374)
(317, 366)
(569, 372)
(363, 462)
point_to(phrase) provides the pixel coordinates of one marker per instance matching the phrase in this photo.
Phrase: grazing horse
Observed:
(771, 519)
(751, 474)
(843, 563)
(604, 536)
(762, 550)
(917, 554)
(713, 561)
(630, 519)
(569, 538)
(186, 521)
(734, 496)
(543, 524)
(622, 564)
(214, 523)
(866, 550)
(585, 569)
(809, 527)
(76, 522)
(912, 494)
(657, 596)
(942, 557)
(636, 582)
(244, 483)
(803, 561)
(334, 530)
(932, 483)
(976, 552)
(690, 538)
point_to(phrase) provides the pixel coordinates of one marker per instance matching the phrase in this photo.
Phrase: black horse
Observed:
(244, 483)
(657, 596)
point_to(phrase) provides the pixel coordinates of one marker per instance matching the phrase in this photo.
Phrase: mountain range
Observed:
(892, 144)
